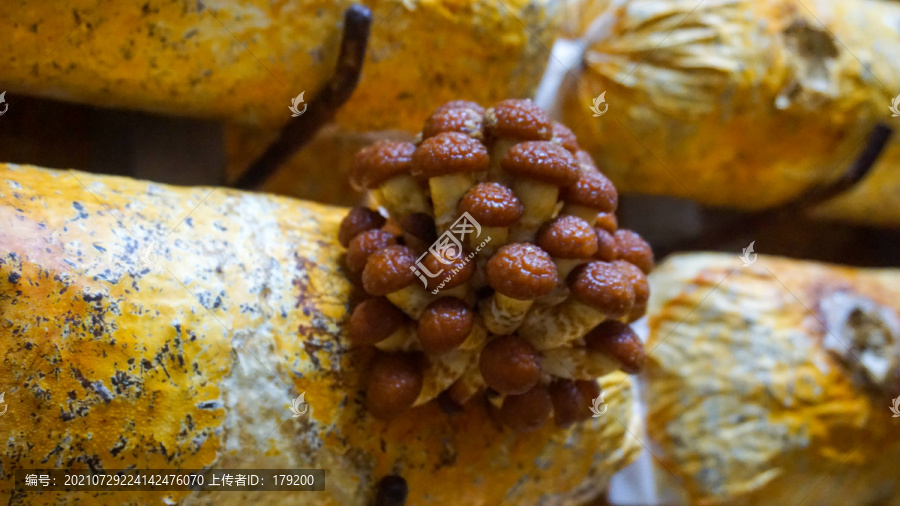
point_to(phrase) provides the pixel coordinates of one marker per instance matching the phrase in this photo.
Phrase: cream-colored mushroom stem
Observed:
(401, 196)
(502, 314)
(445, 194)
(539, 205)
(551, 327)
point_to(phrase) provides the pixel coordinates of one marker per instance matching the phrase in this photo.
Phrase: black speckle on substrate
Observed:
(92, 297)
(392, 491)
(13, 277)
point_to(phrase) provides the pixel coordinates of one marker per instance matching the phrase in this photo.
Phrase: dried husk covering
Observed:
(751, 397)
(239, 304)
(740, 103)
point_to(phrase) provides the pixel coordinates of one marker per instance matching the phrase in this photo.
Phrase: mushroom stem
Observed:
(577, 363)
(586, 213)
(469, 384)
(401, 196)
(564, 266)
(503, 314)
(497, 235)
(539, 204)
(551, 327)
(446, 191)
(477, 337)
(497, 151)
(411, 300)
(402, 339)
(441, 371)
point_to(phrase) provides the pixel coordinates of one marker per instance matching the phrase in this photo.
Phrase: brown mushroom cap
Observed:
(374, 320)
(608, 222)
(379, 162)
(607, 247)
(491, 204)
(518, 119)
(389, 270)
(563, 136)
(357, 221)
(542, 161)
(509, 365)
(456, 119)
(635, 249)
(569, 404)
(641, 287)
(460, 104)
(527, 411)
(617, 340)
(449, 153)
(395, 382)
(522, 271)
(592, 190)
(420, 225)
(567, 237)
(604, 286)
(364, 244)
(463, 265)
(444, 325)
(589, 390)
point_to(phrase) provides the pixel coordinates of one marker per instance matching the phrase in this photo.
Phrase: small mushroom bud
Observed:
(634, 249)
(444, 325)
(384, 168)
(563, 136)
(540, 169)
(389, 272)
(419, 231)
(449, 161)
(600, 291)
(510, 122)
(570, 241)
(464, 120)
(528, 411)
(394, 384)
(569, 403)
(363, 245)
(374, 320)
(509, 365)
(357, 221)
(460, 104)
(495, 207)
(641, 287)
(591, 194)
(440, 372)
(607, 247)
(617, 340)
(519, 273)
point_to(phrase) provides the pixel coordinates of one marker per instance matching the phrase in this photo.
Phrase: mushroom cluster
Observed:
(493, 267)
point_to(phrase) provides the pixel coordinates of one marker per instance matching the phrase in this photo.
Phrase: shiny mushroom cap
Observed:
(567, 237)
(527, 411)
(586, 161)
(510, 365)
(379, 162)
(460, 104)
(357, 221)
(607, 221)
(641, 287)
(592, 190)
(389, 270)
(619, 341)
(521, 271)
(604, 287)
(444, 325)
(518, 119)
(364, 244)
(463, 120)
(634, 249)
(491, 204)
(607, 247)
(570, 403)
(542, 161)
(374, 320)
(449, 153)
(459, 262)
(394, 383)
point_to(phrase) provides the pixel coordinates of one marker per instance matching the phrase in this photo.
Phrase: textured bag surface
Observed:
(171, 327)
